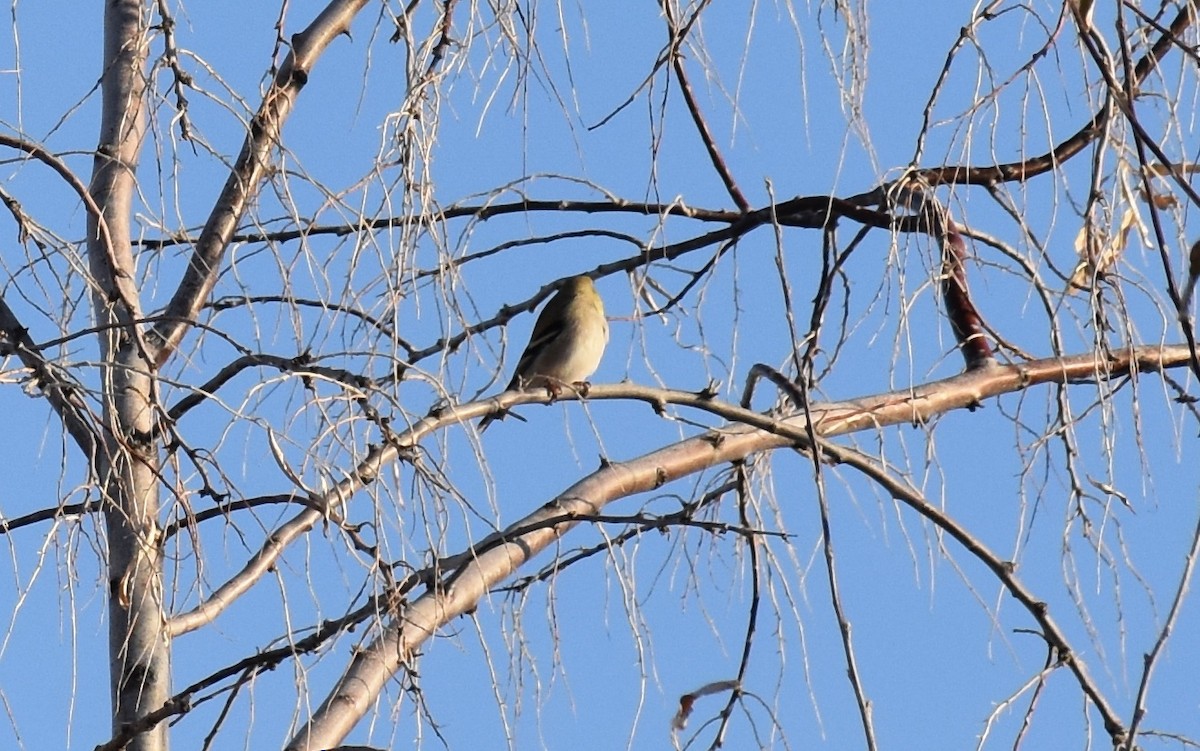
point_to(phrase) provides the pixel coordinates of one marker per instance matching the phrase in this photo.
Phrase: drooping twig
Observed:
(685, 87)
(1004, 571)
(1061, 152)
(375, 664)
(247, 174)
(180, 78)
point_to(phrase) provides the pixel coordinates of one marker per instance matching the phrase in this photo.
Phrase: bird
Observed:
(566, 345)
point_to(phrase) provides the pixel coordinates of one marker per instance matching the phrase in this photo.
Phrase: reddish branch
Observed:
(965, 320)
(1053, 159)
(826, 206)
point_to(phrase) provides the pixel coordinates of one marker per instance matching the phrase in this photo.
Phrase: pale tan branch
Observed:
(767, 431)
(248, 172)
(499, 556)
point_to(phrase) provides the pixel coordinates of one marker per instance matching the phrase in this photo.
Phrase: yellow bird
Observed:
(567, 343)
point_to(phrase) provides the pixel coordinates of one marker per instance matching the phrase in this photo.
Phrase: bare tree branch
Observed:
(460, 592)
(248, 172)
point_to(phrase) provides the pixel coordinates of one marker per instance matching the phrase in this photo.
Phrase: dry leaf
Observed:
(1101, 256)
(687, 701)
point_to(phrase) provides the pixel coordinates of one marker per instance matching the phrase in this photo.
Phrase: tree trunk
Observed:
(127, 464)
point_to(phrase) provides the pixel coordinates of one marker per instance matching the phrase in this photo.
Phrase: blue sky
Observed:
(599, 656)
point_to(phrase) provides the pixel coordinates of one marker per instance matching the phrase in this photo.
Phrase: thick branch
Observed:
(248, 172)
(500, 556)
(127, 465)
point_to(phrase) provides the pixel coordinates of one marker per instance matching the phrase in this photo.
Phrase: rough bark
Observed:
(461, 588)
(127, 463)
